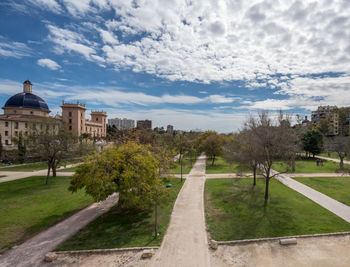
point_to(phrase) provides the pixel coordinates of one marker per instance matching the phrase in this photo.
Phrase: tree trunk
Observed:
(54, 166)
(213, 159)
(254, 172)
(293, 165)
(181, 167)
(48, 173)
(341, 164)
(156, 216)
(267, 188)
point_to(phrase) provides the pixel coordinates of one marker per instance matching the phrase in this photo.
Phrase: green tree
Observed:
(312, 142)
(212, 144)
(129, 169)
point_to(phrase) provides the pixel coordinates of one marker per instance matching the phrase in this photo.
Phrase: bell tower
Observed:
(27, 87)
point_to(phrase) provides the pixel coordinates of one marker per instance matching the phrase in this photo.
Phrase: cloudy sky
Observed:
(194, 64)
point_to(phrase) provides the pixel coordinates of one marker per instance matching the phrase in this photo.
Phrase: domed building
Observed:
(25, 111)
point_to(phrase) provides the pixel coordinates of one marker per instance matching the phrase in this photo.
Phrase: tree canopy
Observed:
(129, 169)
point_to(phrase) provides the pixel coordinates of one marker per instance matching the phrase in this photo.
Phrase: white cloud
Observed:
(13, 49)
(51, 5)
(48, 63)
(209, 41)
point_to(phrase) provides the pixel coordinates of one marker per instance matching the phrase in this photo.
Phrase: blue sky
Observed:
(194, 64)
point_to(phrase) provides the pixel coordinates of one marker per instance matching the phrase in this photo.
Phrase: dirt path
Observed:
(32, 252)
(185, 242)
(11, 176)
(339, 209)
(309, 252)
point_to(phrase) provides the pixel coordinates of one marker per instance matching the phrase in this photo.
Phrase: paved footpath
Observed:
(250, 176)
(14, 175)
(32, 252)
(339, 209)
(331, 159)
(185, 242)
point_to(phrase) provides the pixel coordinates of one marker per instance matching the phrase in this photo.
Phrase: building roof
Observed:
(26, 100)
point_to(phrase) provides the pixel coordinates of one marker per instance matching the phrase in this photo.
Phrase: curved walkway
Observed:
(13, 175)
(332, 159)
(339, 209)
(185, 242)
(32, 252)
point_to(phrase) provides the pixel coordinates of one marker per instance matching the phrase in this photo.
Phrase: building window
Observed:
(6, 124)
(81, 115)
(31, 112)
(7, 142)
(26, 125)
(70, 127)
(70, 114)
(96, 119)
(16, 125)
(6, 133)
(16, 133)
(70, 120)
(25, 133)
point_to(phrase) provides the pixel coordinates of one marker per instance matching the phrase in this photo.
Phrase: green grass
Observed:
(187, 165)
(73, 169)
(36, 166)
(334, 187)
(222, 166)
(308, 166)
(2, 176)
(235, 210)
(28, 206)
(26, 167)
(120, 228)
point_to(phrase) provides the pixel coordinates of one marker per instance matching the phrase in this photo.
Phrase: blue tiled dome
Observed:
(27, 100)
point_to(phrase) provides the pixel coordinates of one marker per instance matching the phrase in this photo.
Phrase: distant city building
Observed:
(25, 112)
(170, 129)
(122, 124)
(144, 124)
(328, 114)
(305, 122)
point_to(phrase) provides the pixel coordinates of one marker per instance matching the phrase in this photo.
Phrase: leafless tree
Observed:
(271, 142)
(340, 145)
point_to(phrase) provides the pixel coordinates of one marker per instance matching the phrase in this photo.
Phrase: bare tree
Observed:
(271, 142)
(340, 145)
(52, 144)
(242, 150)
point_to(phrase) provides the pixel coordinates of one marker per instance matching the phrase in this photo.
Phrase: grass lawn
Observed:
(308, 166)
(28, 206)
(334, 187)
(120, 228)
(221, 166)
(187, 165)
(73, 169)
(36, 166)
(235, 210)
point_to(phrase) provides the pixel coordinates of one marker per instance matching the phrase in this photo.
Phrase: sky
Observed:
(205, 64)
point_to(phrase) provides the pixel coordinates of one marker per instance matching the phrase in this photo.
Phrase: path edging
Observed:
(103, 251)
(268, 239)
